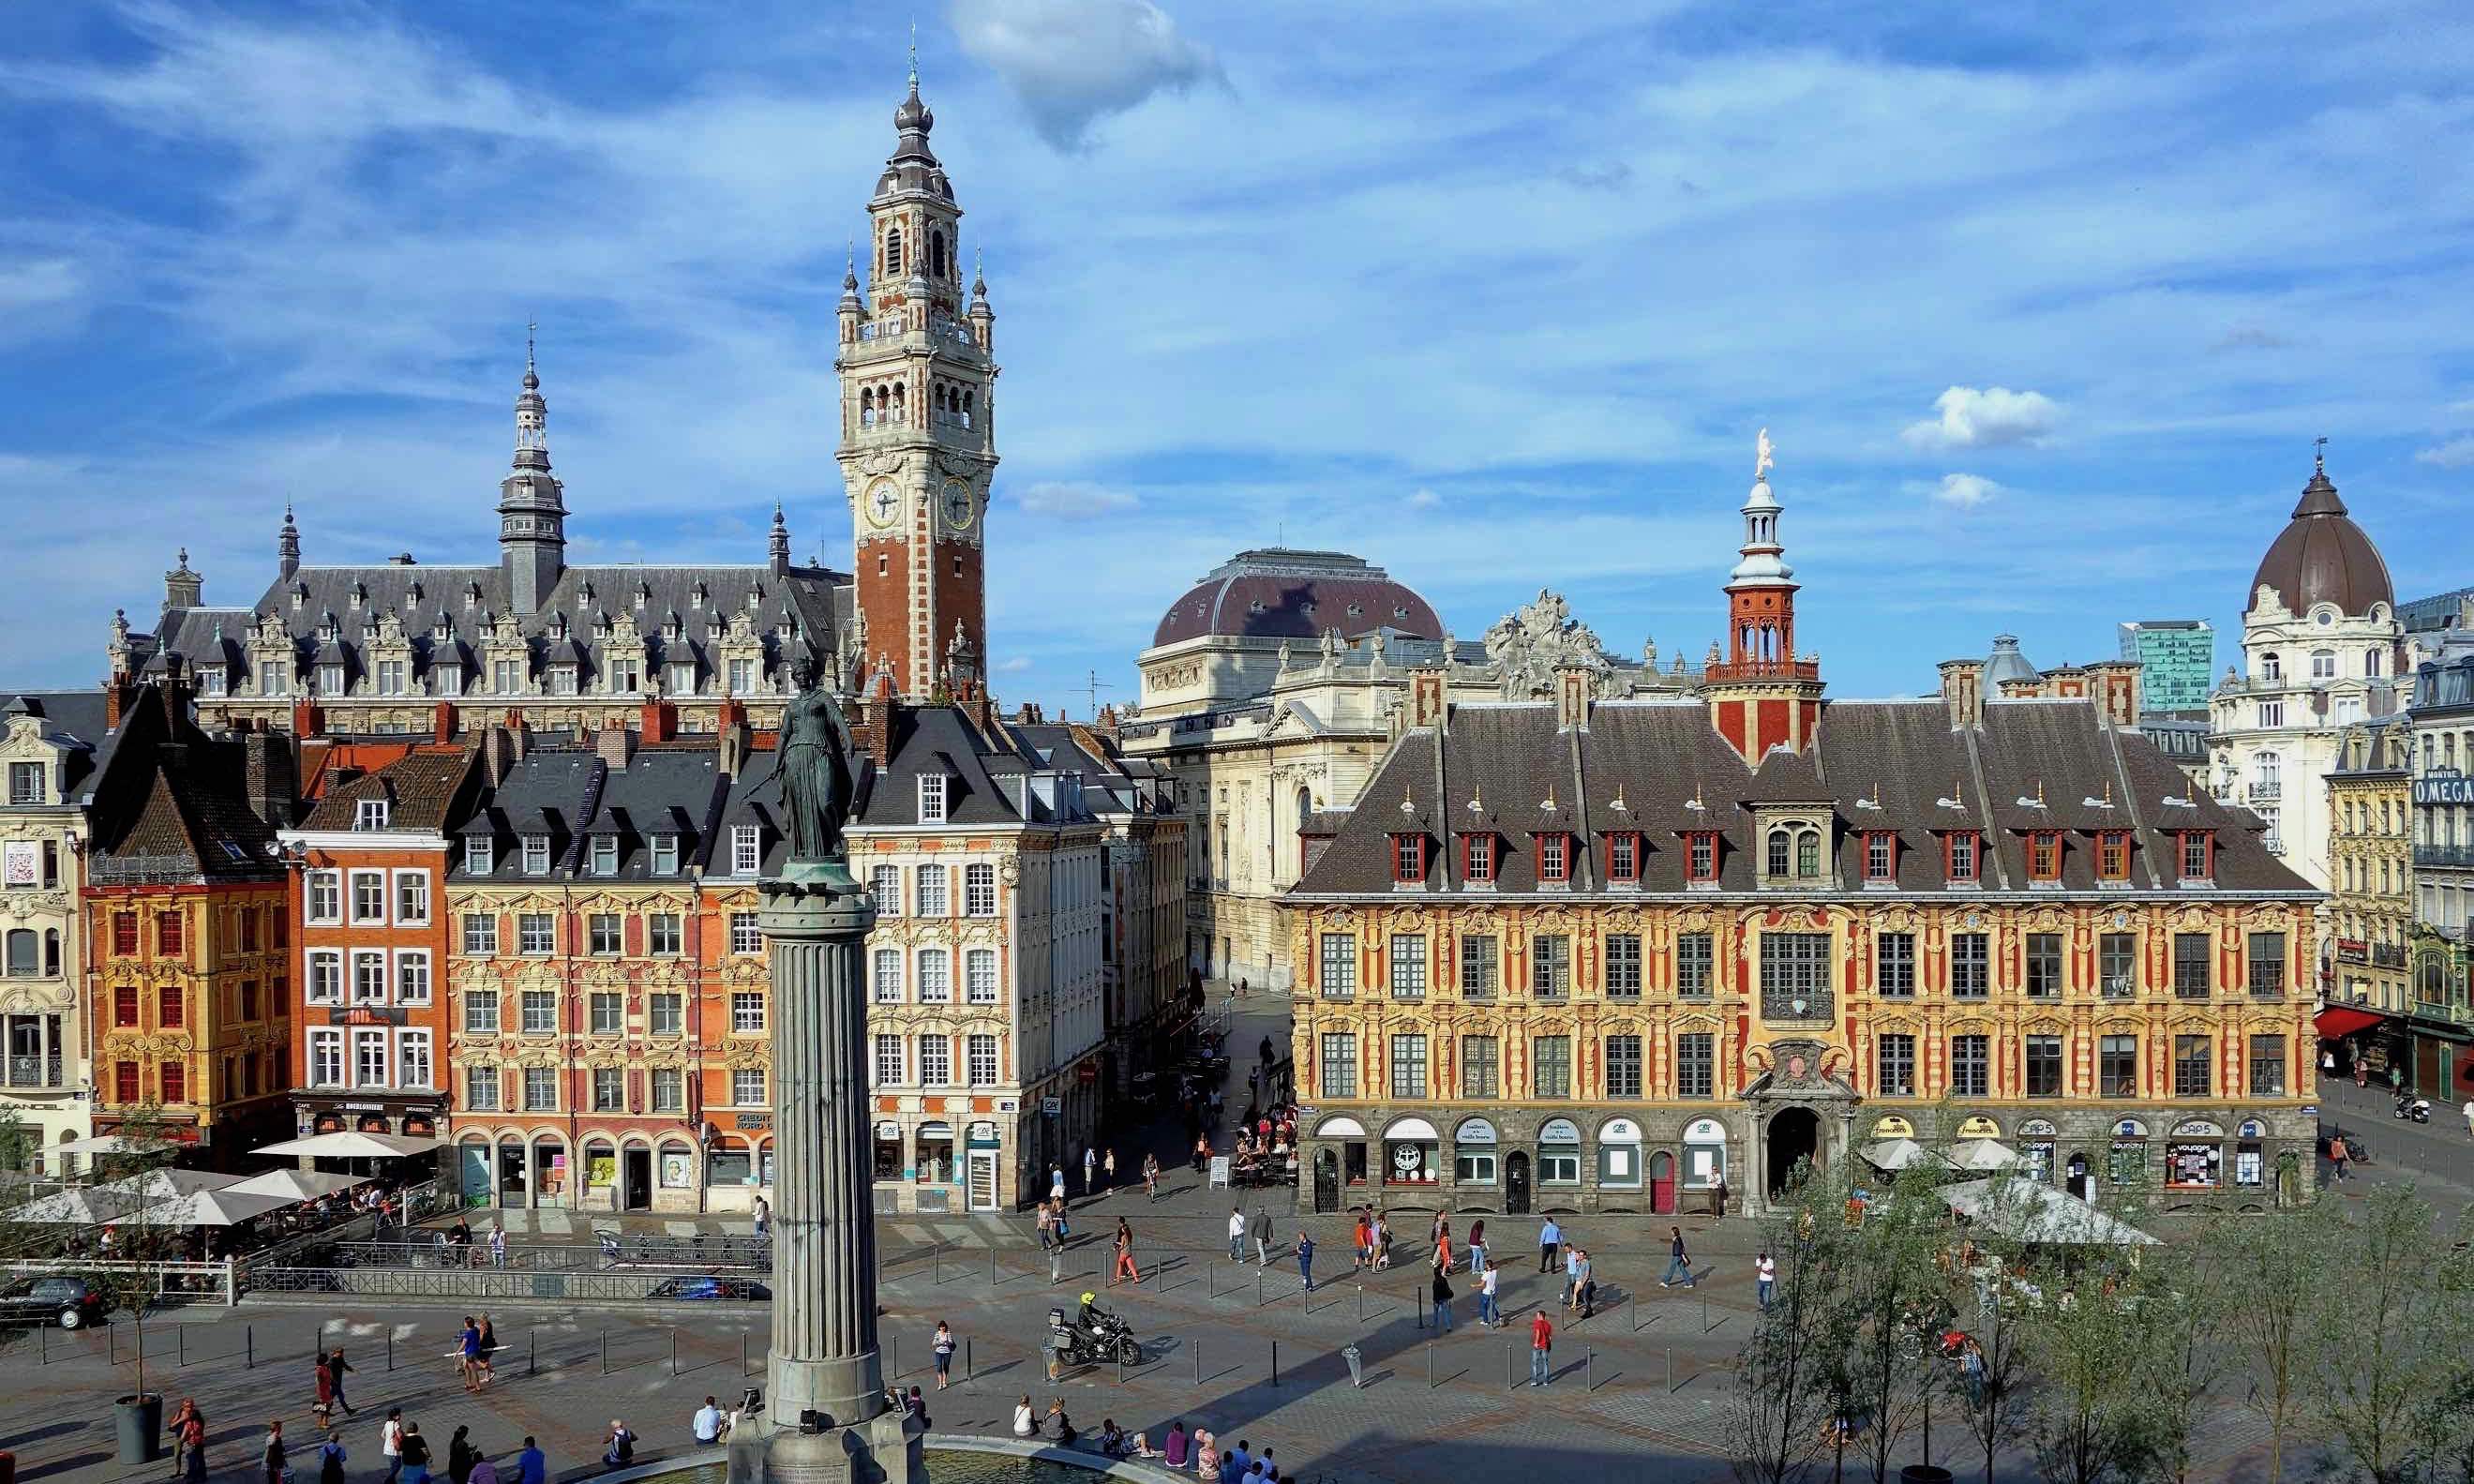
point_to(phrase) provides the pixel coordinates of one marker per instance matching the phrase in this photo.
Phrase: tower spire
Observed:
(1761, 695)
(777, 545)
(532, 512)
(287, 547)
(914, 59)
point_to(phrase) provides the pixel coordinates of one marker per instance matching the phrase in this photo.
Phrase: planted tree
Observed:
(129, 1280)
(1897, 1293)
(2283, 1258)
(2183, 1301)
(1790, 1377)
(2087, 1342)
(2386, 1381)
(1993, 1370)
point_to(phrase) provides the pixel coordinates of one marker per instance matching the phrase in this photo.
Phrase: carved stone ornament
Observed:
(1529, 644)
(881, 462)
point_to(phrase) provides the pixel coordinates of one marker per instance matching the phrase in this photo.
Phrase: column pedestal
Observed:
(824, 1357)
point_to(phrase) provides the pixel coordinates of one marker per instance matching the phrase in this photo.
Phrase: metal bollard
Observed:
(970, 1372)
(674, 1351)
(1635, 1314)
(181, 1342)
(993, 1267)
(1258, 1289)
(743, 1355)
(895, 1371)
(605, 1353)
(936, 1266)
(249, 1347)
(110, 1341)
(390, 1348)
(1591, 1374)
(1670, 1367)
(532, 1352)
(1276, 1362)
(43, 1342)
(1705, 1313)
(1430, 1365)
(1507, 1368)
(1198, 1362)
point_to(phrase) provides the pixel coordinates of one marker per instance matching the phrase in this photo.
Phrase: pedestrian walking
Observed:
(1305, 1259)
(497, 1246)
(1488, 1317)
(1541, 1347)
(416, 1455)
(336, 1368)
(1443, 1292)
(459, 1454)
(942, 1347)
(1064, 1226)
(487, 1361)
(1477, 1245)
(1090, 1169)
(331, 1459)
(1550, 1240)
(2328, 1061)
(1764, 1277)
(1126, 1268)
(1363, 1234)
(179, 1428)
(1262, 1229)
(763, 1218)
(468, 1345)
(391, 1444)
(1056, 1184)
(2469, 1117)
(1236, 1235)
(271, 1453)
(1046, 1223)
(1571, 1274)
(1679, 1263)
(1150, 1176)
(193, 1456)
(1718, 1195)
(2338, 1157)
(1444, 1243)
(1109, 1171)
(1382, 1242)
(706, 1426)
(1202, 1152)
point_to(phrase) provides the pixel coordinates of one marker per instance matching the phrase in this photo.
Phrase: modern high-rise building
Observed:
(2177, 662)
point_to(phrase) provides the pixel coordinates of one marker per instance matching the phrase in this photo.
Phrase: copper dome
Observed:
(1283, 593)
(2321, 556)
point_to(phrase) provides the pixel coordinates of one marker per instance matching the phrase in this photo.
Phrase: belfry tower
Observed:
(1762, 696)
(918, 444)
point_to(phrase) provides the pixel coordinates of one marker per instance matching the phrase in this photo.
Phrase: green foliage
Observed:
(1791, 1376)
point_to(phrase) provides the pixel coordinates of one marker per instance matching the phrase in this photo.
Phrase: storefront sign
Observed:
(1893, 1126)
(21, 863)
(2130, 1129)
(2443, 790)
(1473, 1131)
(2251, 1129)
(1620, 1131)
(1050, 1108)
(1980, 1127)
(1704, 1130)
(1559, 1130)
(2034, 1127)
(2198, 1129)
(755, 1122)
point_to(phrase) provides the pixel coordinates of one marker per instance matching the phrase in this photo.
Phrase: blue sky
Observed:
(2042, 312)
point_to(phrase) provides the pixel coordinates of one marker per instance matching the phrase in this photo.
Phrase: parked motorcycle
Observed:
(2416, 1108)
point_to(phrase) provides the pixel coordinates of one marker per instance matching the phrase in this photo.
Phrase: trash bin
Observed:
(138, 1423)
(1356, 1366)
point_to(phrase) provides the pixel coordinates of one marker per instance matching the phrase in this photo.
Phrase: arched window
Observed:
(1778, 852)
(2268, 768)
(901, 413)
(937, 254)
(2272, 666)
(969, 404)
(867, 406)
(893, 251)
(51, 952)
(2323, 663)
(1807, 853)
(2371, 663)
(22, 953)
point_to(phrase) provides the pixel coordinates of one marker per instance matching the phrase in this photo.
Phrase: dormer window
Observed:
(480, 856)
(679, 678)
(26, 783)
(369, 814)
(1963, 858)
(746, 849)
(666, 855)
(1623, 859)
(605, 855)
(1701, 857)
(1554, 859)
(932, 799)
(562, 680)
(2198, 849)
(536, 855)
(1477, 860)
(1408, 860)
(1881, 857)
(2113, 855)
(210, 681)
(1780, 850)
(330, 680)
(2045, 856)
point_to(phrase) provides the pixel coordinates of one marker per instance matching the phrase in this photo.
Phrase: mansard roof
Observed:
(1897, 767)
(423, 792)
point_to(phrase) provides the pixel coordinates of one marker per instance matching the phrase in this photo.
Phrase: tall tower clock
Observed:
(918, 444)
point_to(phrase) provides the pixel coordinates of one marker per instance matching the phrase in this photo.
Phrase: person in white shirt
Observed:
(1764, 1277)
(1236, 1235)
(1025, 1420)
(708, 1422)
(1488, 1315)
(391, 1443)
(2469, 1117)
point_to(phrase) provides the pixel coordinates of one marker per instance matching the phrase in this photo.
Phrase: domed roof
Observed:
(2321, 556)
(1282, 594)
(2006, 662)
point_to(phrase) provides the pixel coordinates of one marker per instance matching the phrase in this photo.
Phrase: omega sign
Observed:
(2443, 790)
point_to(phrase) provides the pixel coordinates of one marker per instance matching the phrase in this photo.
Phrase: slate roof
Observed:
(1895, 767)
(424, 792)
(548, 790)
(73, 720)
(173, 803)
(446, 612)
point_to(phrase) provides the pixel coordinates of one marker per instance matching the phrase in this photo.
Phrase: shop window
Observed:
(1551, 1066)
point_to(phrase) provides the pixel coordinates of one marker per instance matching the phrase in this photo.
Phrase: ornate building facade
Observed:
(2371, 865)
(53, 747)
(1269, 693)
(1590, 954)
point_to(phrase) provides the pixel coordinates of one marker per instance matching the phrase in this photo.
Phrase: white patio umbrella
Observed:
(1902, 1154)
(170, 1184)
(93, 1144)
(295, 1184)
(92, 1205)
(344, 1144)
(1985, 1155)
(212, 1209)
(2026, 1211)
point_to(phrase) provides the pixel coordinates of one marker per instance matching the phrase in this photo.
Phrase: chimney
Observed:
(1573, 696)
(1962, 691)
(497, 754)
(879, 709)
(442, 723)
(2117, 691)
(615, 746)
(269, 776)
(115, 701)
(733, 713)
(660, 722)
(307, 719)
(1425, 697)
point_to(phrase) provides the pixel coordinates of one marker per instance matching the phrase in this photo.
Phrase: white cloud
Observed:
(1424, 499)
(1073, 62)
(2455, 453)
(1014, 666)
(1973, 418)
(1965, 490)
(1075, 500)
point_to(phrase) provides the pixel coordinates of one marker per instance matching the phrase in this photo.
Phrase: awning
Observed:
(341, 1145)
(2343, 1020)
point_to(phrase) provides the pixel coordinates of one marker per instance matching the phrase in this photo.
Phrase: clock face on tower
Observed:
(882, 501)
(958, 505)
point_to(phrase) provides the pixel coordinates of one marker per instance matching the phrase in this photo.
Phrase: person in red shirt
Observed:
(1541, 1346)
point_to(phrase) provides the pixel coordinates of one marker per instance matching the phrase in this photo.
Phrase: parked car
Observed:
(743, 1289)
(71, 1302)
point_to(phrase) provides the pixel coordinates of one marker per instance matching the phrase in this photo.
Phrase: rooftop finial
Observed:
(915, 57)
(1762, 457)
(532, 377)
(2319, 456)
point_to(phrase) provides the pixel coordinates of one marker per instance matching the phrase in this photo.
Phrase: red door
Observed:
(1661, 1183)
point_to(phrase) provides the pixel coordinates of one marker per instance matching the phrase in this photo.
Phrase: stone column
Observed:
(824, 1355)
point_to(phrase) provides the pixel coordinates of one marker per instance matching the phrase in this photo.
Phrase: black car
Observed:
(71, 1302)
(738, 1288)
